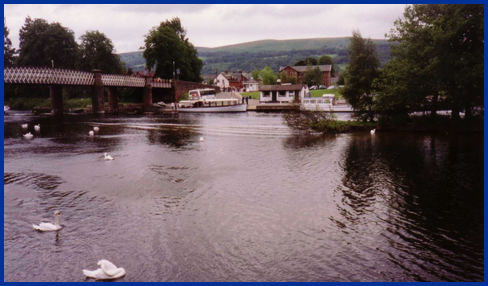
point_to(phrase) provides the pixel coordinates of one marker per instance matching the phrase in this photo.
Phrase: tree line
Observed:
(43, 44)
(437, 61)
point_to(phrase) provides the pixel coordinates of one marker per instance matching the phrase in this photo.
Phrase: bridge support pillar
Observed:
(113, 100)
(97, 93)
(56, 93)
(147, 101)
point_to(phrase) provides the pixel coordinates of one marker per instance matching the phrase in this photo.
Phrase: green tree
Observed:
(166, 47)
(97, 52)
(444, 46)
(327, 60)
(313, 76)
(268, 76)
(360, 74)
(41, 43)
(287, 79)
(308, 61)
(255, 74)
(8, 50)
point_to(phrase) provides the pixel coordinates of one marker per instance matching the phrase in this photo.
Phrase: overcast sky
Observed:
(211, 25)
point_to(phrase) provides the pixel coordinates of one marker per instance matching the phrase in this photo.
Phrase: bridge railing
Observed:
(45, 75)
(122, 80)
(49, 76)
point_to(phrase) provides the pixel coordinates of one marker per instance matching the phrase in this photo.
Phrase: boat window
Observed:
(267, 94)
(312, 101)
(320, 101)
(282, 94)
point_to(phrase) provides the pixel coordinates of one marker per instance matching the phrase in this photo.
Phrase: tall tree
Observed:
(97, 52)
(285, 78)
(255, 74)
(8, 50)
(440, 51)
(360, 74)
(268, 76)
(327, 60)
(41, 43)
(167, 48)
(313, 76)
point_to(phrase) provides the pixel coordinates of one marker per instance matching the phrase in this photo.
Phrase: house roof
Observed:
(304, 68)
(288, 87)
(250, 81)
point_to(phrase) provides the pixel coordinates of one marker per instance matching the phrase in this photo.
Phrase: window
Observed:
(266, 93)
(282, 94)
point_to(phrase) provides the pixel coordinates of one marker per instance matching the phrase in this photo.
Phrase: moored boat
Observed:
(212, 105)
(204, 100)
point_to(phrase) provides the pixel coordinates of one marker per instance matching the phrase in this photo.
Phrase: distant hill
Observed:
(274, 53)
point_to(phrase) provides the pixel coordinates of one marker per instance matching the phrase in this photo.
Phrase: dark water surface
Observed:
(250, 203)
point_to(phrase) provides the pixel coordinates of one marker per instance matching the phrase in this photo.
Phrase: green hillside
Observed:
(274, 53)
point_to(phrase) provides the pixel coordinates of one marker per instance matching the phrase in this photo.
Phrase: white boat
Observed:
(204, 100)
(325, 103)
(6, 108)
(212, 105)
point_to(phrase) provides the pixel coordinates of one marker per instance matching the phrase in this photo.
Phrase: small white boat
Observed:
(212, 105)
(6, 108)
(325, 103)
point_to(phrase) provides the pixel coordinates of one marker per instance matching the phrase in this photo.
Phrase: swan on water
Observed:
(106, 271)
(373, 131)
(91, 133)
(28, 135)
(108, 157)
(201, 139)
(37, 127)
(24, 126)
(46, 226)
(96, 128)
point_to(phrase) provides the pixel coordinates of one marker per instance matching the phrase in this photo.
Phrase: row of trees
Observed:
(438, 56)
(47, 44)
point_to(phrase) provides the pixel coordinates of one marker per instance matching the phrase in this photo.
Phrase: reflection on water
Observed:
(251, 203)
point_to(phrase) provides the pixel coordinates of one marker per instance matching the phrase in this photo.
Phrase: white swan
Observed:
(108, 157)
(24, 126)
(37, 127)
(96, 128)
(46, 226)
(106, 271)
(201, 139)
(28, 135)
(91, 133)
(373, 131)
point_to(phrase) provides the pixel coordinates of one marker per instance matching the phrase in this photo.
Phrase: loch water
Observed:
(252, 202)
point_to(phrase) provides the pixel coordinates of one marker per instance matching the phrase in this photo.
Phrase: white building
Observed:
(251, 85)
(282, 93)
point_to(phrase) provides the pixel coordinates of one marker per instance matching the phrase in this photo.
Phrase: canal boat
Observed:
(204, 100)
(212, 105)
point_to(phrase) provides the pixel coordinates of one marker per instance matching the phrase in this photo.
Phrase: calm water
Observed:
(250, 203)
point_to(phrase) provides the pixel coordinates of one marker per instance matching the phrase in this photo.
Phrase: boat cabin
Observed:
(208, 103)
(200, 94)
